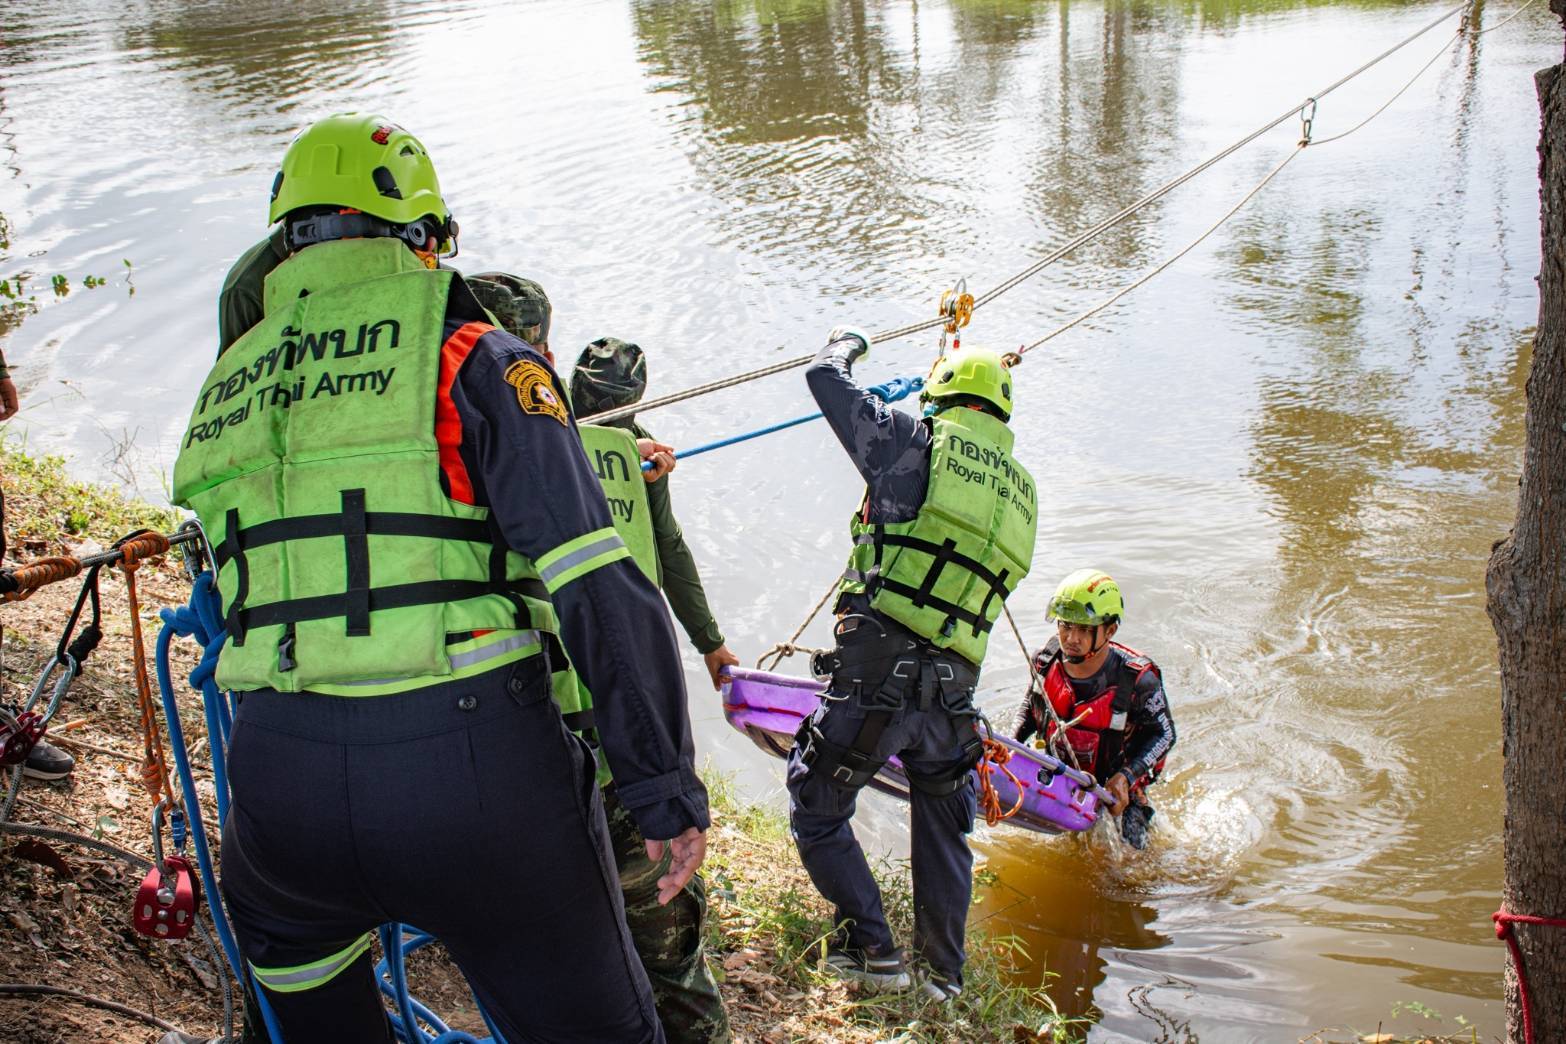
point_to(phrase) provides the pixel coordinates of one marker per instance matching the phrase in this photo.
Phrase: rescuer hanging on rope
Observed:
(670, 937)
(1108, 697)
(944, 534)
(409, 541)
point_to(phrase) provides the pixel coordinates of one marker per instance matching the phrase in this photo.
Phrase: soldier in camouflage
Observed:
(670, 939)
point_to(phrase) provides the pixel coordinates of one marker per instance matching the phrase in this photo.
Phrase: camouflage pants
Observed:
(668, 939)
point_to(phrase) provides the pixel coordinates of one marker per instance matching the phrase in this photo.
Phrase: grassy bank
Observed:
(65, 910)
(769, 930)
(47, 512)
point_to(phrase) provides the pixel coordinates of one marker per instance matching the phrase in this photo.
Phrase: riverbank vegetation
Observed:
(65, 909)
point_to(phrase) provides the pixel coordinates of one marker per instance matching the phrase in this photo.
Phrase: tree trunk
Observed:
(1526, 582)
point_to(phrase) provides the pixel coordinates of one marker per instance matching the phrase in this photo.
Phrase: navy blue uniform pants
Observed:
(929, 742)
(465, 809)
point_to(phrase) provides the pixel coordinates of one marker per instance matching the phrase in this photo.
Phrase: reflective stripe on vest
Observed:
(303, 977)
(314, 460)
(580, 556)
(946, 574)
(615, 459)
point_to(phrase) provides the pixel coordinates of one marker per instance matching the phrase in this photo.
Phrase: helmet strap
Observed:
(324, 228)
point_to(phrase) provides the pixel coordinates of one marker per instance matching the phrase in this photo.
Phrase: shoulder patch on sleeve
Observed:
(535, 389)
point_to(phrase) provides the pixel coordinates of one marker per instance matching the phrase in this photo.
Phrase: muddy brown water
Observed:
(1293, 449)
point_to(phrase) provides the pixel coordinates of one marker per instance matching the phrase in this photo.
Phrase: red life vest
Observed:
(1098, 727)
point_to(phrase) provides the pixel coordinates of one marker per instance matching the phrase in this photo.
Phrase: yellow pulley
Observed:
(957, 307)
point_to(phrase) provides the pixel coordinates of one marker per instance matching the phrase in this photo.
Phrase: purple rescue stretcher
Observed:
(770, 707)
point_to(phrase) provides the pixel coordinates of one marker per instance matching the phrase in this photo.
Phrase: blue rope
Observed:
(893, 390)
(202, 620)
(189, 621)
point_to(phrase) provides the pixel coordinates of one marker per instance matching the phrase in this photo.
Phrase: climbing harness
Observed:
(1055, 741)
(202, 620)
(1503, 930)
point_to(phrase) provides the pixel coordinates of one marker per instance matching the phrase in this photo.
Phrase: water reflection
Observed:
(250, 56)
(1052, 900)
(788, 106)
(1104, 123)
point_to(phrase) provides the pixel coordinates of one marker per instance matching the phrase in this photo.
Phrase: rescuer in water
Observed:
(1109, 696)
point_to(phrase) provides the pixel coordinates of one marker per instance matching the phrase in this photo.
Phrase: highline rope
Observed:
(1055, 255)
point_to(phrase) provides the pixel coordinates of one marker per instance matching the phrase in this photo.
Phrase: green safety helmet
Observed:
(1089, 597)
(366, 164)
(969, 373)
(520, 304)
(609, 373)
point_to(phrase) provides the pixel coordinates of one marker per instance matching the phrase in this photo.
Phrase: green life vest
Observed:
(612, 453)
(946, 574)
(312, 461)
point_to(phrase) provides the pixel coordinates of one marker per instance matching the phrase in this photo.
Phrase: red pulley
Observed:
(167, 900)
(18, 736)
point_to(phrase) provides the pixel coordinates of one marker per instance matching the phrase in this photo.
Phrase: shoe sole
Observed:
(46, 776)
(876, 980)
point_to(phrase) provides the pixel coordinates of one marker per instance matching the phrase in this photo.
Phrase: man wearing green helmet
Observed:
(416, 562)
(610, 374)
(1109, 697)
(670, 938)
(944, 534)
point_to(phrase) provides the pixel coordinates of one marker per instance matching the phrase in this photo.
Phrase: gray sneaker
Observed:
(942, 991)
(48, 762)
(879, 971)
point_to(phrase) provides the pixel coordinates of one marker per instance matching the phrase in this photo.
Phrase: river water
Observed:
(1293, 449)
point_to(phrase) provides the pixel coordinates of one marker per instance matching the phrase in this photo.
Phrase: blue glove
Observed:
(898, 388)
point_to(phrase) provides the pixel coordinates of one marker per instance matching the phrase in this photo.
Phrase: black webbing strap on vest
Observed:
(941, 555)
(355, 526)
(236, 537)
(356, 549)
(394, 596)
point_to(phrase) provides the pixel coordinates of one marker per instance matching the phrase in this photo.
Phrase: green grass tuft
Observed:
(46, 510)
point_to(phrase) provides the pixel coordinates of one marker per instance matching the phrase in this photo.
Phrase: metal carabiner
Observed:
(196, 554)
(157, 834)
(1307, 117)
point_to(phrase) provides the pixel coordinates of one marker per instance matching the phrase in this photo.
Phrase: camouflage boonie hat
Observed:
(518, 303)
(608, 374)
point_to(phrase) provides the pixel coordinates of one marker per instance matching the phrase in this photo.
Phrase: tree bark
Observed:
(1526, 582)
